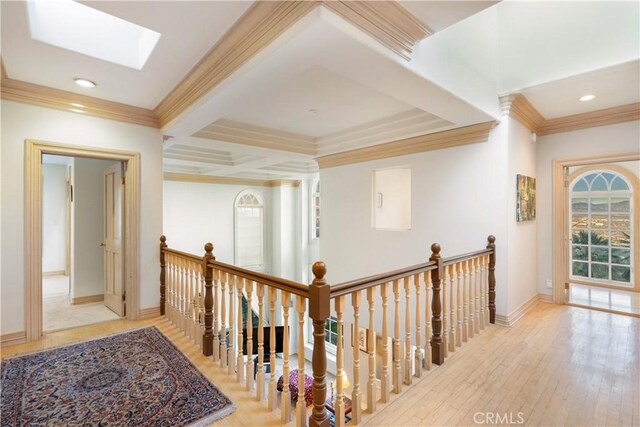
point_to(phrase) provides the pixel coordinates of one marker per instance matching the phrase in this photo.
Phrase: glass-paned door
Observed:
(601, 229)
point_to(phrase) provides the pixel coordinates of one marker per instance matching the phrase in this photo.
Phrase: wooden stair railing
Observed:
(203, 298)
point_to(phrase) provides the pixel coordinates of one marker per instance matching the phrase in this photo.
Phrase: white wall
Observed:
(197, 213)
(54, 218)
(521, 273)
(87, 278)
(604, 140)
(20, 122)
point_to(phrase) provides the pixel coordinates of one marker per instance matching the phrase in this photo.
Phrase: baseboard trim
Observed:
(54, 273)
(13, 338)
(548, 299)
(148, 313)
(87, 299)
(518, 313)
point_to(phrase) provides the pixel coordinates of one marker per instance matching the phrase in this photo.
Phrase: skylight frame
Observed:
(77, 27)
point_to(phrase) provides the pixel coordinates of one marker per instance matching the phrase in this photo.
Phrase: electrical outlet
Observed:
(549, 284)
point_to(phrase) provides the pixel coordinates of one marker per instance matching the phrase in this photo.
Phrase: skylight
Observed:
(83, 29)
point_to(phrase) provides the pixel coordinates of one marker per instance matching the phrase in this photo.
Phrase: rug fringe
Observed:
(223, 413)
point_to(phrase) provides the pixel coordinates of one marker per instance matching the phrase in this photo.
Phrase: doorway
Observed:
(128, 220)
(81, 241)
(595, 234)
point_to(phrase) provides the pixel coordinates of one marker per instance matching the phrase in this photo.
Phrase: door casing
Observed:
(34, 149)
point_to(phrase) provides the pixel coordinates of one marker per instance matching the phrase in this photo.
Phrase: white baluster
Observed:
(285, 402)
(385, 387)
(418, 352)
(356, 399)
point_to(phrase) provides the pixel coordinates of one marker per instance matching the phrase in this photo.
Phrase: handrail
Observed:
(378, 279)
(182, 254)
(265, 279)
(464, 257)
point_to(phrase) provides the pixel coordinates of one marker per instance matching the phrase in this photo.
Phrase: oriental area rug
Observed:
(136, 378)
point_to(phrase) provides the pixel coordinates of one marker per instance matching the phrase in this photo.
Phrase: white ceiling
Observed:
(189, 29)
(438, 15)
(316, 102)
(612, 86)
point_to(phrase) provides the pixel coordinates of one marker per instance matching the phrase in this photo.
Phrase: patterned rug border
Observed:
(59, 346)
(223, 413)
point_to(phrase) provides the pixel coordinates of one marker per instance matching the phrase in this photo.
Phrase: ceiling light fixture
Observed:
(84, 83)
(586, 98)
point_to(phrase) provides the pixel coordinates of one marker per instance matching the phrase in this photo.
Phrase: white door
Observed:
(112, 244)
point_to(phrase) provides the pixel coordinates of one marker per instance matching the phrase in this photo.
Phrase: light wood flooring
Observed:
(559, 365)
(600, 298)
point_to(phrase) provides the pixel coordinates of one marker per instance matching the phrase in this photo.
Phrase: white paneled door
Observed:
(114, 296)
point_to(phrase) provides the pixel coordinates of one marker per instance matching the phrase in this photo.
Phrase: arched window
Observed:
(315, 210)
(249, 221)
(602, 227)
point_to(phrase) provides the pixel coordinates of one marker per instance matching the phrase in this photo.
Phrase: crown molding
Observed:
(226, 180)
(518, 106)
(386, 21)
(418, 144)
(399, 126)
(260, 25)
(43, 96)
(258, 136)
(264, 21)
(607, 116)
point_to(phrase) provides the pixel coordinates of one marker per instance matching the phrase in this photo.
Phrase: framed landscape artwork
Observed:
(526, 198)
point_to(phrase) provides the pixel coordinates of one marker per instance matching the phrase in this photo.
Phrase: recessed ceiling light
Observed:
(84, 83)
(586, 98)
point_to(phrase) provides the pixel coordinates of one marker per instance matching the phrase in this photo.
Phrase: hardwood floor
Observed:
(559, 365)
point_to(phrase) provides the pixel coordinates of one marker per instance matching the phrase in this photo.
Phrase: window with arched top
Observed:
(602, 227)
(249, 230)
(315, 210)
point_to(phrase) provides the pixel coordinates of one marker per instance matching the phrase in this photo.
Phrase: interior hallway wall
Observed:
(597, 141)
(21, 122)
(54, 218)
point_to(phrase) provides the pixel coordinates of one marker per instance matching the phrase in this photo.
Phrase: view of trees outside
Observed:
(601, 228)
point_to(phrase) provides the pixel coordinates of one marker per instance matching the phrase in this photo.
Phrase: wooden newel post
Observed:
(163, 265)
(319, 311)
(207, 337)
(437, 349)
(492, 279)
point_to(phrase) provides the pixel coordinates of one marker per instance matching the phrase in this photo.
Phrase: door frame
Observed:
(560, 235)
(34, 149)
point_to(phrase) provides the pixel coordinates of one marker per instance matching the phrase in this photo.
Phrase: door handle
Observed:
(103, 244)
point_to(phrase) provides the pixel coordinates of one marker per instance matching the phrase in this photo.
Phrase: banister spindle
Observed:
(231, 349)
(418, 351)
(223, 320)
(356, 399)
(301, 419)
(191, 324)
(459, 292)
(484, 298)
(272, 399)
(207, 338)
(240, 359)
(319, 312)
(285, 402)
(426, 277)
(249, 326)
(471, 308)
(437, 350)
(492, 279)
(476, 293)
(163, 274)
(452, 309)
(445, 313)
(384, 380)
(216, 316)
(397, 376)
(371, 340)
(408, 375)
(465, 298)
(339, 402)
(260, 373)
